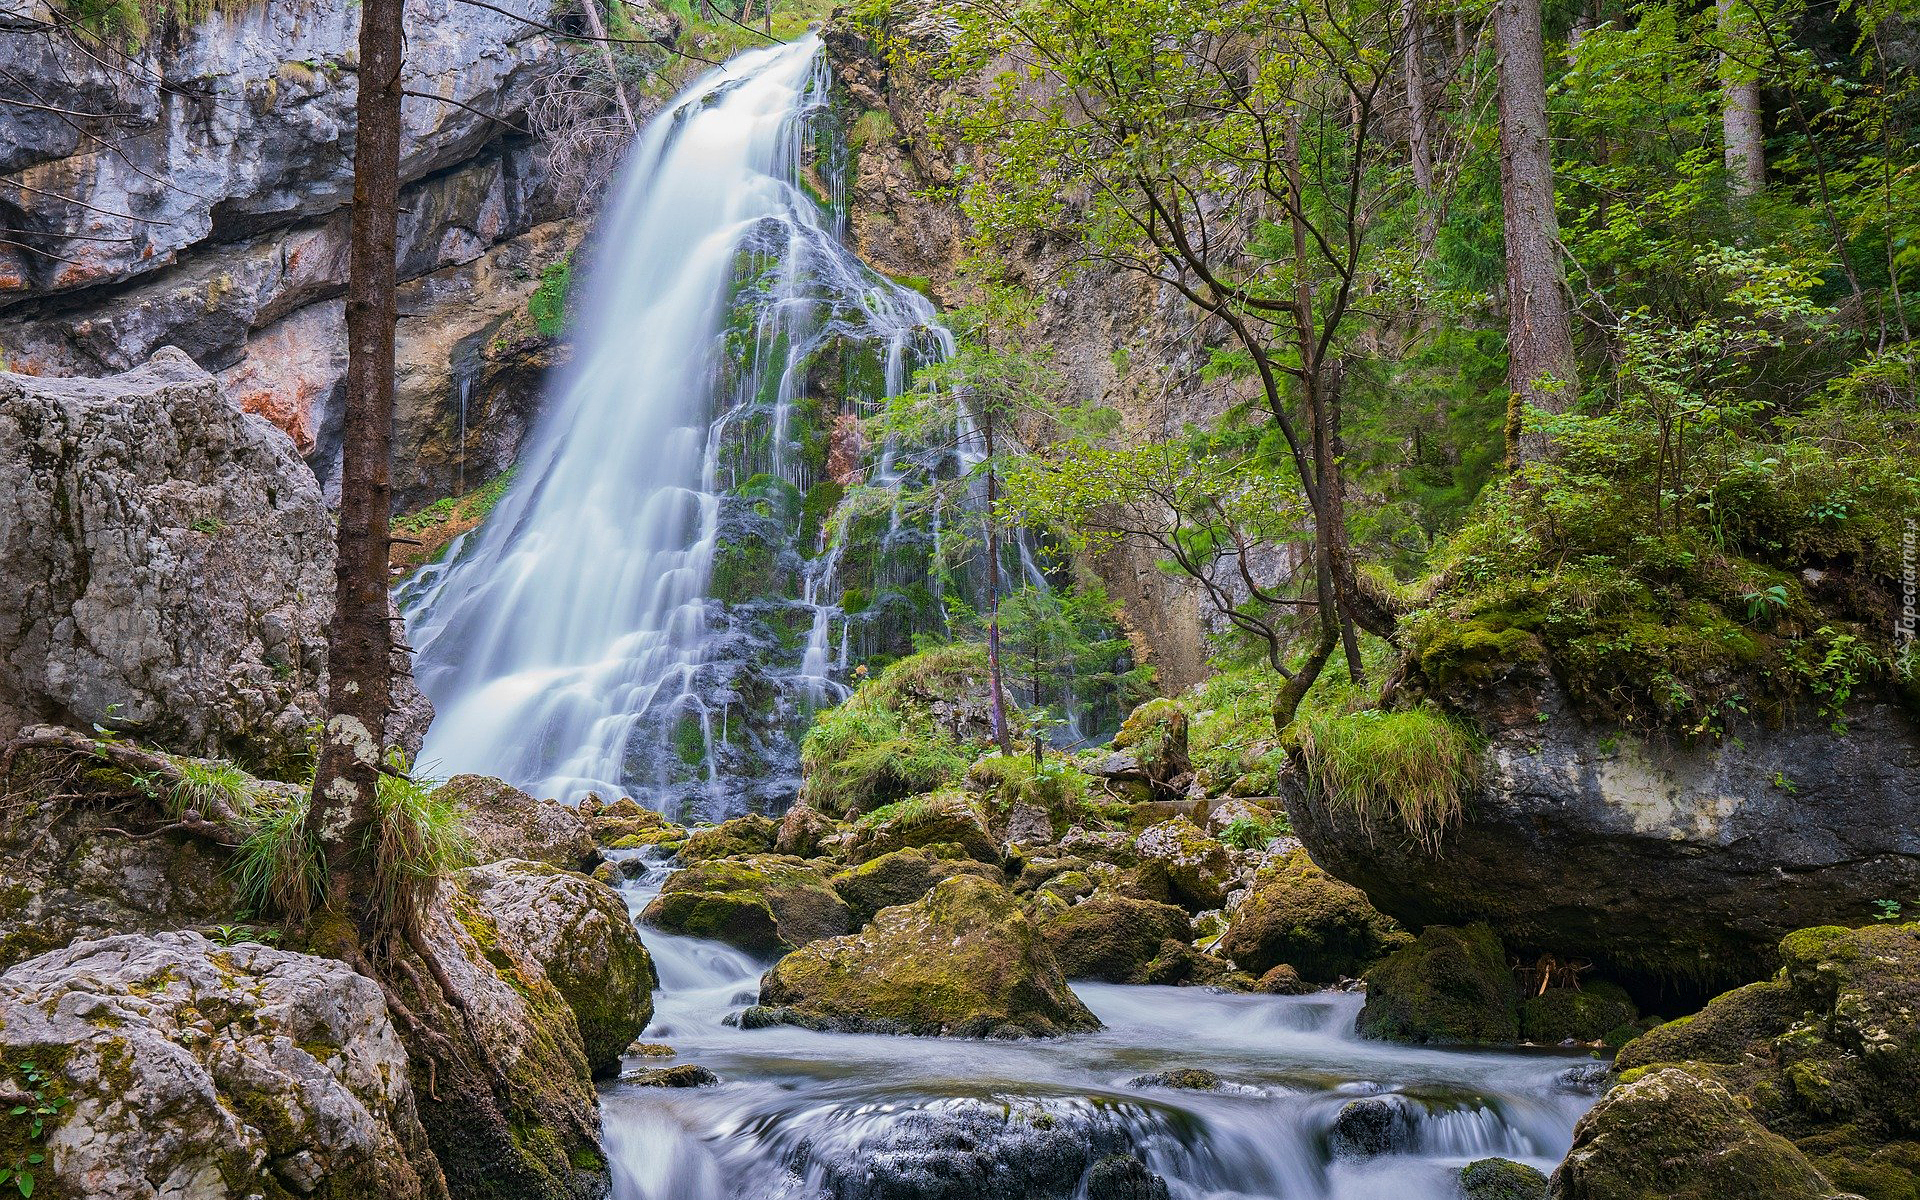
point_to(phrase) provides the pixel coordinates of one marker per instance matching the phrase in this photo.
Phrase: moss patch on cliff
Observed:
(422, 536)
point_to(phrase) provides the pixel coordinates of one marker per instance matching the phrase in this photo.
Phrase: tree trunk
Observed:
(1746, 143)
(1419, 136)
(1541, 372)
(360, 639)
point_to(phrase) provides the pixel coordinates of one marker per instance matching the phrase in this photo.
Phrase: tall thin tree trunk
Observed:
(1541, 371)
(360, 639)
(1419, 133)
(1745, 139)
(599, 29)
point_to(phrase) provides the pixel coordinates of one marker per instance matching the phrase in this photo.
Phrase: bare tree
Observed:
(1541, 370)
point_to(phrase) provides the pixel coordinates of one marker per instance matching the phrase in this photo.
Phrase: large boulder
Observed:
(764, 904)
(188, 1069)
(1114, 938)
(1671, 1136)
(1827, 1053)
(751, 834)
(1449, 986)
(950, 819)
(900, 877)
(964, 961)
(504, 822)
(1299, 915)
(1198, 870)
(579, 932)
(1584, 841)
(166, 569)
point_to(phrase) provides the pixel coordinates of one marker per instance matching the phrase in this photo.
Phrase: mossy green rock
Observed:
(1113, 938)
(1198, 870)
(763, 904)
(750, 834)
(944, 818)
(964, 961)
(1580, 1014)
(1449, 986)
(1826, 1053)
(1672, 1136)
(900, 877)
(1299, 915)
(1502, 1179)
(1156, 732)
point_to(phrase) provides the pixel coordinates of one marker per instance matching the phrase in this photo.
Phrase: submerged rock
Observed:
(1827, 1053)
(1124, 1177)
(166, 568)
(1299, 915)
(191, 1069)
(1113, 938)
(579, 931)
(1371, 1126)
(686, 1075)
(764, 904)
(504, 822)
(1502, 1179)
(1671, 1136)
(1450, 985)
(965, 961)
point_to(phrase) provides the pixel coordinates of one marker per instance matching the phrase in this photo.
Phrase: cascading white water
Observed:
(563, 646)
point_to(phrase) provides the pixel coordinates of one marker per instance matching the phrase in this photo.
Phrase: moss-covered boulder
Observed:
(1299, 915)
(964, 961)
(504, 822)
(1672, 1136)
(1113, 938)
(1283, 980)
(1588, 1013)
(912, 729)
(950, 817)
(805, 832)
(1198, 869)
(1502, 1179)
(764, 904)
(580, 933)
(1449, 986)
(1827, 1053)
(751, 834)
(900, 877)
(1156, 734)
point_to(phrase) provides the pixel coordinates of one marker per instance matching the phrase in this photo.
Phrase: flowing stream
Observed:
(800, 1115)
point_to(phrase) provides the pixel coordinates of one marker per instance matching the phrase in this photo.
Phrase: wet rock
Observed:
(686, 1075)
(964, 961)
(1672, 1136)
(233, 1071)
(1370, 1126)
(804, 831)
(1197, 868)
(1502, 1179)
(1587, 1078)
(1191, 1079)
(944, 818)
(900, 877)
(1827, 1053)
(1283, 980)
(579, 931)
(1124, 1177)
(1179, 964)
(764, 904)
(1560, 851)
(1587, 1013)
(1113, 938)
(1297, 914)
(752, 834)
(1450, 985)
(504, 822)
(166, 568)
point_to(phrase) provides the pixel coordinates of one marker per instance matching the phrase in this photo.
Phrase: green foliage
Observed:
(209, 786)
(420, 835)
(1251, 833)
(1408, 772)
(882, 744)
(550, 302)
(1062, 651)
(277, 867)
(38, 1105)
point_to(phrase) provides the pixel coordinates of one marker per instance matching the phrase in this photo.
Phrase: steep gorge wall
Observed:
(199, 199)
(1116, 338)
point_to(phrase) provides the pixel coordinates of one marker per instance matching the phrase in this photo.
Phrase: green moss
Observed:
(1300, 916)
(1580, 1014)
(883, 744)
(1502, 1179)
(1449, 986)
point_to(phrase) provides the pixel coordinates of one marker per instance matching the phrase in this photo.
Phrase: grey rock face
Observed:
(1683, 862)
(505, 822)
(200, 1071)
(166, 568)
(579, 932)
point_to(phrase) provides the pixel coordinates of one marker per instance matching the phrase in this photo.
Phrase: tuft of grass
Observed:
(208, 787)
(421, 836)
(1410, 770)
(277, 867)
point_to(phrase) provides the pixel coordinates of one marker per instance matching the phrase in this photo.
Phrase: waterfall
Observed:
(650, 608)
